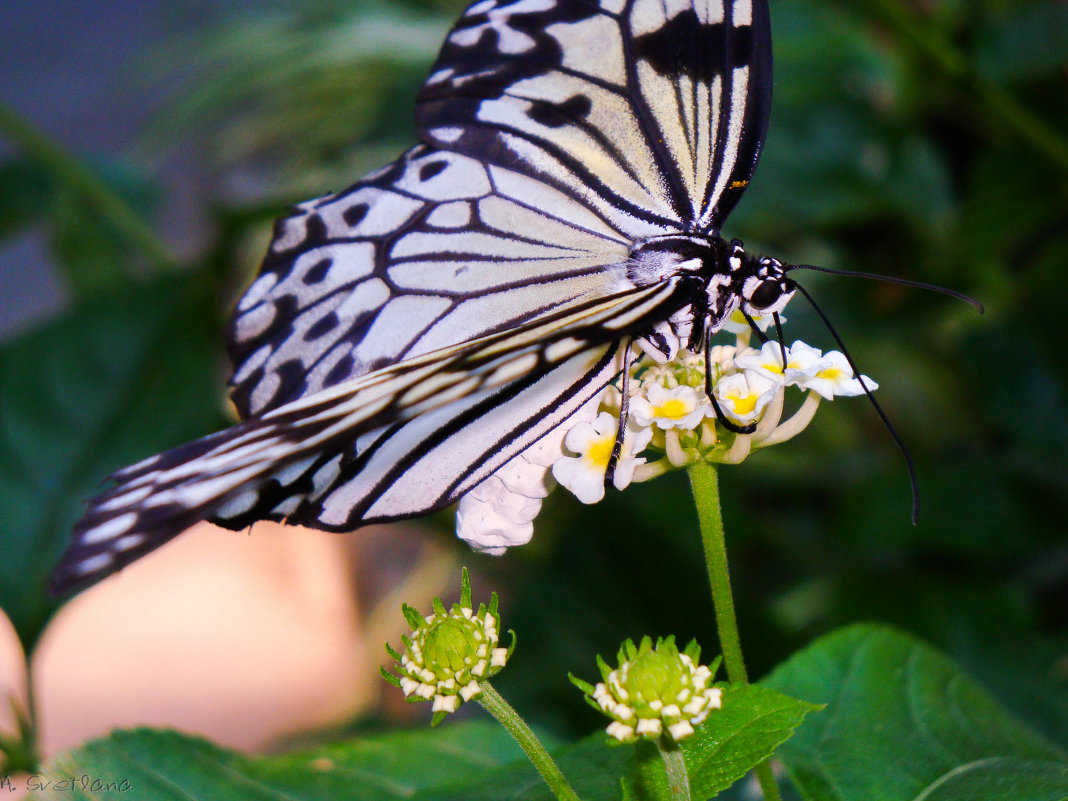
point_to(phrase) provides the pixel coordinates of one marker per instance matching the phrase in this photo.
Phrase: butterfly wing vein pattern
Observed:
(651, 110)
(482, 283)
(351, 443)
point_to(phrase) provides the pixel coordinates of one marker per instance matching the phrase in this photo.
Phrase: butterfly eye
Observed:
(765, 295)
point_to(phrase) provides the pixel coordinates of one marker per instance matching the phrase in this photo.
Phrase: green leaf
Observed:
(24, 191)
(752, 723)
(904, 722)
(111, 382)
(165, 765)
(90, 253)
(93, 249)
(457, 762)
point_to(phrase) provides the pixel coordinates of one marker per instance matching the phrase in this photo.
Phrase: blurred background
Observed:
(146, 147)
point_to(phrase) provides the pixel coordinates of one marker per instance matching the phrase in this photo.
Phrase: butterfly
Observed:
(408, 336)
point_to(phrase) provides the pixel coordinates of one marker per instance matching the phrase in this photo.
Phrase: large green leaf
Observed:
(751, 724)
(164, 765)
(466, 761)
(107, 384)
(904, 722)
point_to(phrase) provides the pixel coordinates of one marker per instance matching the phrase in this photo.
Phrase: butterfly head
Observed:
(761, 282)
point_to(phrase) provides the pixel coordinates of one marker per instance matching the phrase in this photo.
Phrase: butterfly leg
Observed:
(727, 424)
(780, 338)
(624, 411)
(755, 328)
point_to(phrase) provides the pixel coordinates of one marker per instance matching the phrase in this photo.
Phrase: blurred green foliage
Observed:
(920, 140)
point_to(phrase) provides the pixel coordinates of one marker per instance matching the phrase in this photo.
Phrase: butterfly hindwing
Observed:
(395, 442)
(426, 463)
(662, 119)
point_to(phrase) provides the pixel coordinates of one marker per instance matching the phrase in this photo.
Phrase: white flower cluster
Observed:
(670, 423)
(654, 691)
(449, 653)
(669, 412)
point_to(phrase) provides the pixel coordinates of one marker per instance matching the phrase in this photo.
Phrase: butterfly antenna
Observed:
(889, 279)
(727, 424)
(913, 483)
(624, 411)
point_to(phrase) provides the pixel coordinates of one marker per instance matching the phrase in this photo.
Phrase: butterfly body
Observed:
(412, 334)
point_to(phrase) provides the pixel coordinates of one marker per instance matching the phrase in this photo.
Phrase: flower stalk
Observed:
(504, 714)
(675, 766)
(704, 482)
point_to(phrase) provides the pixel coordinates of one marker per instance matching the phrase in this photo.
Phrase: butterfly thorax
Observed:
(722, 277)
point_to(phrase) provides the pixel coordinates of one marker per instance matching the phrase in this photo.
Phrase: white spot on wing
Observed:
(743, 12)
(450, 215)
(366, 297)
(605, 61)
(125, 499)
(255, 322)
(109, 529)
(238, 505)
(447, 135)
(558, 351)
(440, 75)
(461, 177)
(257, 291)
(129, 542)
(94, 563)
(399, 320)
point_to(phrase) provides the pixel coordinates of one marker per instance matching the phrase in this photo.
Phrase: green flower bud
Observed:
(449, 653)
(655, 690)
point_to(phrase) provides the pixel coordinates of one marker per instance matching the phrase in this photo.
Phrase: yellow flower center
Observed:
(601, 451)
(673, 409)
(831, 373)
(744, 404)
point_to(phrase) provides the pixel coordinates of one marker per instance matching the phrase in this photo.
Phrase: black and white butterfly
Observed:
(410, 335)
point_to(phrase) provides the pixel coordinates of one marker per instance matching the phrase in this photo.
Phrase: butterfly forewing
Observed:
(435, 250)
(647, 109)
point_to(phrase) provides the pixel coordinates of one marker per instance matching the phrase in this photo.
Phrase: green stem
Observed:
(84, 183)
(994, 100)
(705, 485)
(704, 482)
(528, 741)
(675, 765)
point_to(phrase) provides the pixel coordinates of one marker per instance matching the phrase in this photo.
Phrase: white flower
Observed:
(835, 377)
(802, 361)
(743, 396)
(682, 407)
(722, 356)
(492, 518)
(593, 442)
(499, 512)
